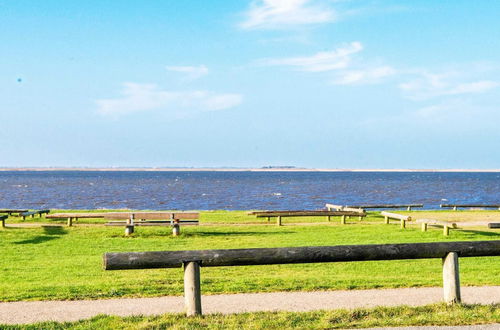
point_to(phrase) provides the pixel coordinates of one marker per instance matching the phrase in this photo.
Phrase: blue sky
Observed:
(319, 83)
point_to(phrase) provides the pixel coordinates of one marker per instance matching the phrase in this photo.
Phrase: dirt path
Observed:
(36, 311)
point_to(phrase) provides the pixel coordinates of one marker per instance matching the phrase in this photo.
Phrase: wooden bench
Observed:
(2, 219)
(483, 206)
(394, 216)
(282, 214)
(33, 213)
(12, 211)
(388, 206)
(333, 207)
(438, 223)
(133, 219)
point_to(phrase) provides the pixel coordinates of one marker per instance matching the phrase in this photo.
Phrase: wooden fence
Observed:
(193, 260)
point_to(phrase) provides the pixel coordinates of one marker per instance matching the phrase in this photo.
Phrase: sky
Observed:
(317, 84)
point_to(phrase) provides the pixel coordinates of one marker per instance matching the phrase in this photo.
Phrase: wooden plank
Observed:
(10, 211)
(293, 255)
(153, 215)
(494, 225)
(152, 223)
(82, 215)
(390, 215)
(439, 223)
(334, 207)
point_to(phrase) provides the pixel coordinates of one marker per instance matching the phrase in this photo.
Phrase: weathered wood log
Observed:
(292, 255)
(494, 225)
(333, 207)
(451, 279)
(444, 224)
(390, 215)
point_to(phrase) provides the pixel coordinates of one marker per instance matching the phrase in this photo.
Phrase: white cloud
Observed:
(319, 62)
(148, 97)
(364, 76)
(277, 14)
(429, 85)
(190, 72)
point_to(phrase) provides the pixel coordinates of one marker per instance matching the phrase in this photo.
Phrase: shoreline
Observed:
(230, 169)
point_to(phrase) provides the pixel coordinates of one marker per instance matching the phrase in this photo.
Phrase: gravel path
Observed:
(36, 311)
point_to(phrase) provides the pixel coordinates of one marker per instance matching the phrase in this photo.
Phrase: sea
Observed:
(240, 190)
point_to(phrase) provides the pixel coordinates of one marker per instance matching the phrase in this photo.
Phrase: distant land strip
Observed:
(234, 169)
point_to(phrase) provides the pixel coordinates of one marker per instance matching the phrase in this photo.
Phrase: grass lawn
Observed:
(434, 315)
(66, 262)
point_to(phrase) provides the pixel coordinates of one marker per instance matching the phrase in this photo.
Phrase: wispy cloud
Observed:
(190, 72)
(427, 85)
(319, 62)
(279, 14)
(364, 76)
(137, 98)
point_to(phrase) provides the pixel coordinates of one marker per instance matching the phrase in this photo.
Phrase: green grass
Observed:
(66, 262)
(434, 315)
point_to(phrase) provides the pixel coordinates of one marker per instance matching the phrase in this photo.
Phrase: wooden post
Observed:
(192, 288)
(70, 222)
(386, 218)
(278, 220)
(424, 226)
(446, 230)
(176, 229)
(451, 279)
(454, 208)
(360, 218)
(3, 223)
(403, 224)
(329, 218)
(409, 208)
(129, 228)
(268, 219)
(342, 220)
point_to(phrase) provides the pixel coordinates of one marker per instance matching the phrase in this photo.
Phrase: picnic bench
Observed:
(282, 214)
(12, 211)
(482, 206)
(387, 206)
(133, 219)
(33, 213)
(394, 216)
(2, 219)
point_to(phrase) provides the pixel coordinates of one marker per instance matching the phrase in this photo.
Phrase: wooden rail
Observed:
(387, 206)
(402, 218)
(284, 214)
(484, 206)
(444, 224)
(193, 260)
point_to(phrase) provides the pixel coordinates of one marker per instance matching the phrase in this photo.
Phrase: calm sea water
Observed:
(239, 190)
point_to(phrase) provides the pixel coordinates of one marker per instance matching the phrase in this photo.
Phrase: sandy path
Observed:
(36, 311)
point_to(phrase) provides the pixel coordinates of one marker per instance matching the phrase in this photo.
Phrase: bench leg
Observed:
(403, 224)
(70, 222)
(342, 220)
(446, 230)
(424, 227)
(329, 218)
(176, 229)
(386, 219)
(451, 279)
(3, 223)
(278, 220)
(192, 288)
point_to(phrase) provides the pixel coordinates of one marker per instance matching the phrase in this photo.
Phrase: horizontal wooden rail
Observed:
(192, 261)
(292, 255)
(485, 206)
(387, 206)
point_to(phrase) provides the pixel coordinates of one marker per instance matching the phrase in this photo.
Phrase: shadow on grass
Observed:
(49, 233)
(480, 233)
(234, 233)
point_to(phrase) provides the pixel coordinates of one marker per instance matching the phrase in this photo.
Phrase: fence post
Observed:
(192, 288)
(451, 279)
